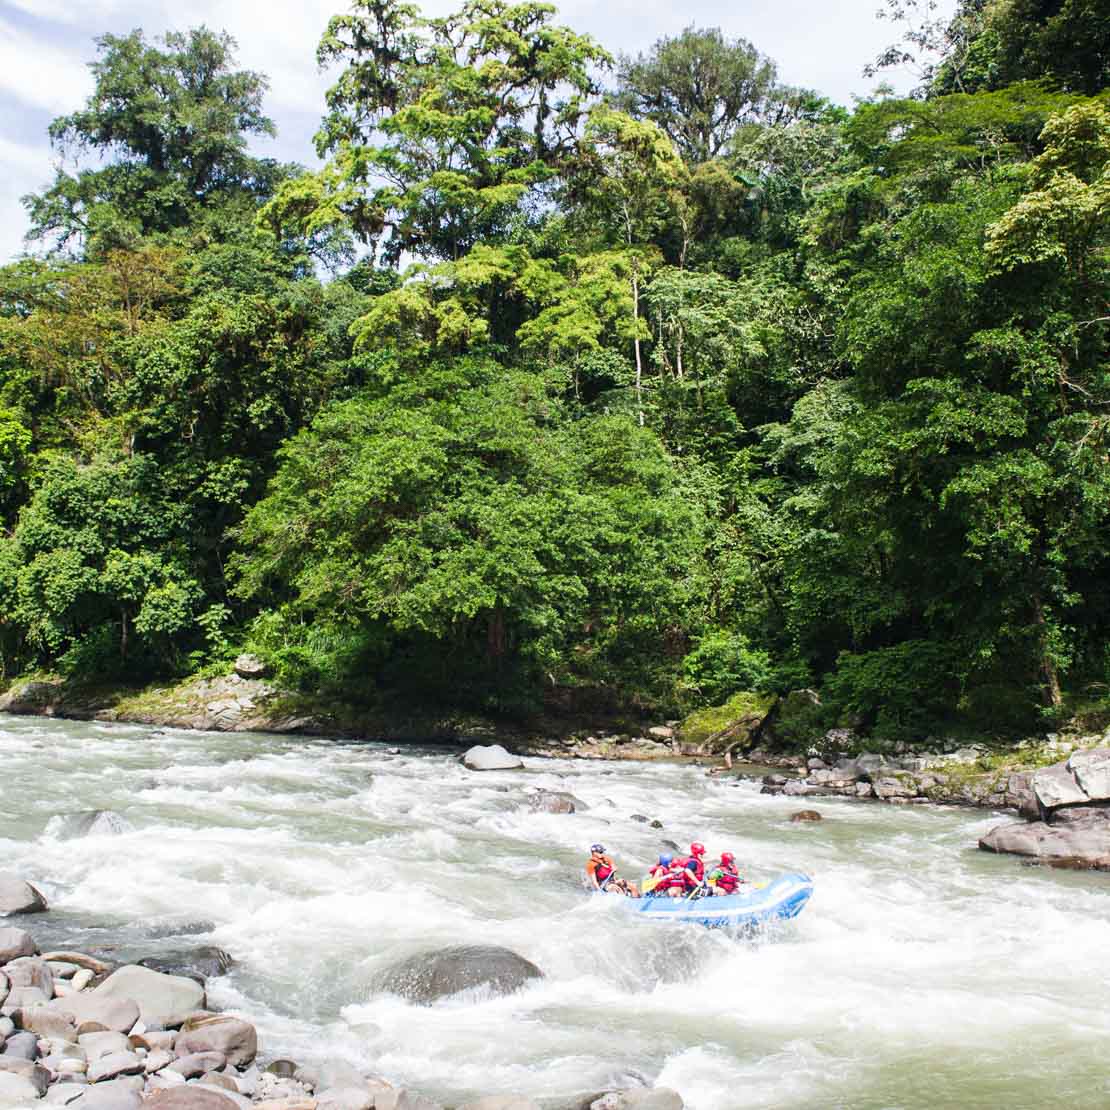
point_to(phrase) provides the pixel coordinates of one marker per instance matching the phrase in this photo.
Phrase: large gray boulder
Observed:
(94, 1012)
(189, 1098)
(248, 665)
(430, 976)
(554, 801)
(205, 962)
(18, 896)
(112, 1094)
(15, 943)
(1091, 770)
(1056, 786)
(1082, 839)
(30, 971)
(234, 1038)
(162, 999)
(491, 757)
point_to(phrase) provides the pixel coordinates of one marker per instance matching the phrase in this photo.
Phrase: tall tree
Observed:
(173, 118)
(440, 128)
(701, 88)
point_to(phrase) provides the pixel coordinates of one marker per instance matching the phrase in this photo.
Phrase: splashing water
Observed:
(923, 973)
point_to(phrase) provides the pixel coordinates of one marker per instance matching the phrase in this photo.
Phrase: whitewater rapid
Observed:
(923, 973)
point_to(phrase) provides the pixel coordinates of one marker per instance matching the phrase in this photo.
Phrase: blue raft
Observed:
(758, 904)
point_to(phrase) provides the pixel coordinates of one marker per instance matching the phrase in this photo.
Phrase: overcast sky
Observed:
(45, 46)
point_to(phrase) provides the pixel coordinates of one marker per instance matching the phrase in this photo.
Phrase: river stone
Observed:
(1056, 786)
(15, 943)
(491, 757)
(165, 1000)
(17, 1092)
(197, 1063)
(105, 1043)
(113, 1065)
(328, 1073)
(18, 896)
(640, 1098)
(23, 1045)
(92, 822)
(236, 1039)
(430, 976)
(346, 1098)
(1085, 841)
(189, 1098)
(207, 962)
(555, 801)
(805, 815)
(113, 1094)
(47, 1022)
(4, 986)
(94, 1012)
(249, 665)
(1092, 772)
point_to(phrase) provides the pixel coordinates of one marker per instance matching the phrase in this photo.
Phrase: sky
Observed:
(45, 47)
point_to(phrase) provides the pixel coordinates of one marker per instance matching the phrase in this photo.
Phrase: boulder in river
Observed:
(429, 976)
(18, 896)
(1083, 840)
(491, 757)
(640, 1098)
(554, 801)
(205, 962)
(94, 1012)
(15, 943)
(233, 1037)
(162, 999)
(91, 822)
(804, 815)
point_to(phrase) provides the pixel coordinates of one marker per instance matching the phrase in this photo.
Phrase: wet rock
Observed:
(15, 943)
(1086, 839)
(555, 801)
(198, 964)
(236, 1039)
(1091, 770)
(640, 1098)
(189, 1098)
(799, 788)
(92, 822)
(429, 976)
(164, 1000)
(641, 818)
(114, 1065)
(864, 790)
(805, 815)
(19, 896)
(491, 757)
(283, 1069)
(32, 698)
(890, 787)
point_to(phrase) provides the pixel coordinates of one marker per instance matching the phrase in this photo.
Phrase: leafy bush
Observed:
(724, 663)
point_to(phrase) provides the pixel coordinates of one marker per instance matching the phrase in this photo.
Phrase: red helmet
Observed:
(727, 857)
(697, 849)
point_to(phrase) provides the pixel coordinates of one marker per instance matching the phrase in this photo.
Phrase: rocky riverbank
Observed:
(735, 738)
(78, 1031)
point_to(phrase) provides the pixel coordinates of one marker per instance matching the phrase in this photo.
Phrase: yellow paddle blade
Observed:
(649, 883)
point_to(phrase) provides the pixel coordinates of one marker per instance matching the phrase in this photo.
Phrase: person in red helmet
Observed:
(725, 877)
(694, 867)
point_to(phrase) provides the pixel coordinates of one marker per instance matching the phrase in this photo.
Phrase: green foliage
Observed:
(722, 663)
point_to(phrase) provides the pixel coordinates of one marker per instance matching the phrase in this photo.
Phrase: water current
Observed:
(923, 973)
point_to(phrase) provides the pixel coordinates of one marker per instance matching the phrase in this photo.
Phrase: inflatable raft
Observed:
(754, 905)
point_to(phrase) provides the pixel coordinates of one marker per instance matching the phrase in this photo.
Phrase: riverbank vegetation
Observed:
(575, 380)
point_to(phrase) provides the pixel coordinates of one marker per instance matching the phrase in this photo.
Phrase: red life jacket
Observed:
(697, 867)
(728, 878)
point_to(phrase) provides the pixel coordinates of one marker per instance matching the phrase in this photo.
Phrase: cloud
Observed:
(45, 46)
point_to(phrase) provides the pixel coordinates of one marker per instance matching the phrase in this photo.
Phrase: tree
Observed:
(440, 129)
(175, 119)
(700, 89)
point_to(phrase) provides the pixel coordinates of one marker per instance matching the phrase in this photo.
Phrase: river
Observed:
(923, 973)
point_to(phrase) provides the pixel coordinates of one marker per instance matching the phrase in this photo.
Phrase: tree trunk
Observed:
(636, 343)
(123, 634)
(1053, 695)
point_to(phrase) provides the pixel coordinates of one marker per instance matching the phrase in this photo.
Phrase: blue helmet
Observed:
(665, 859)
(597, 848)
